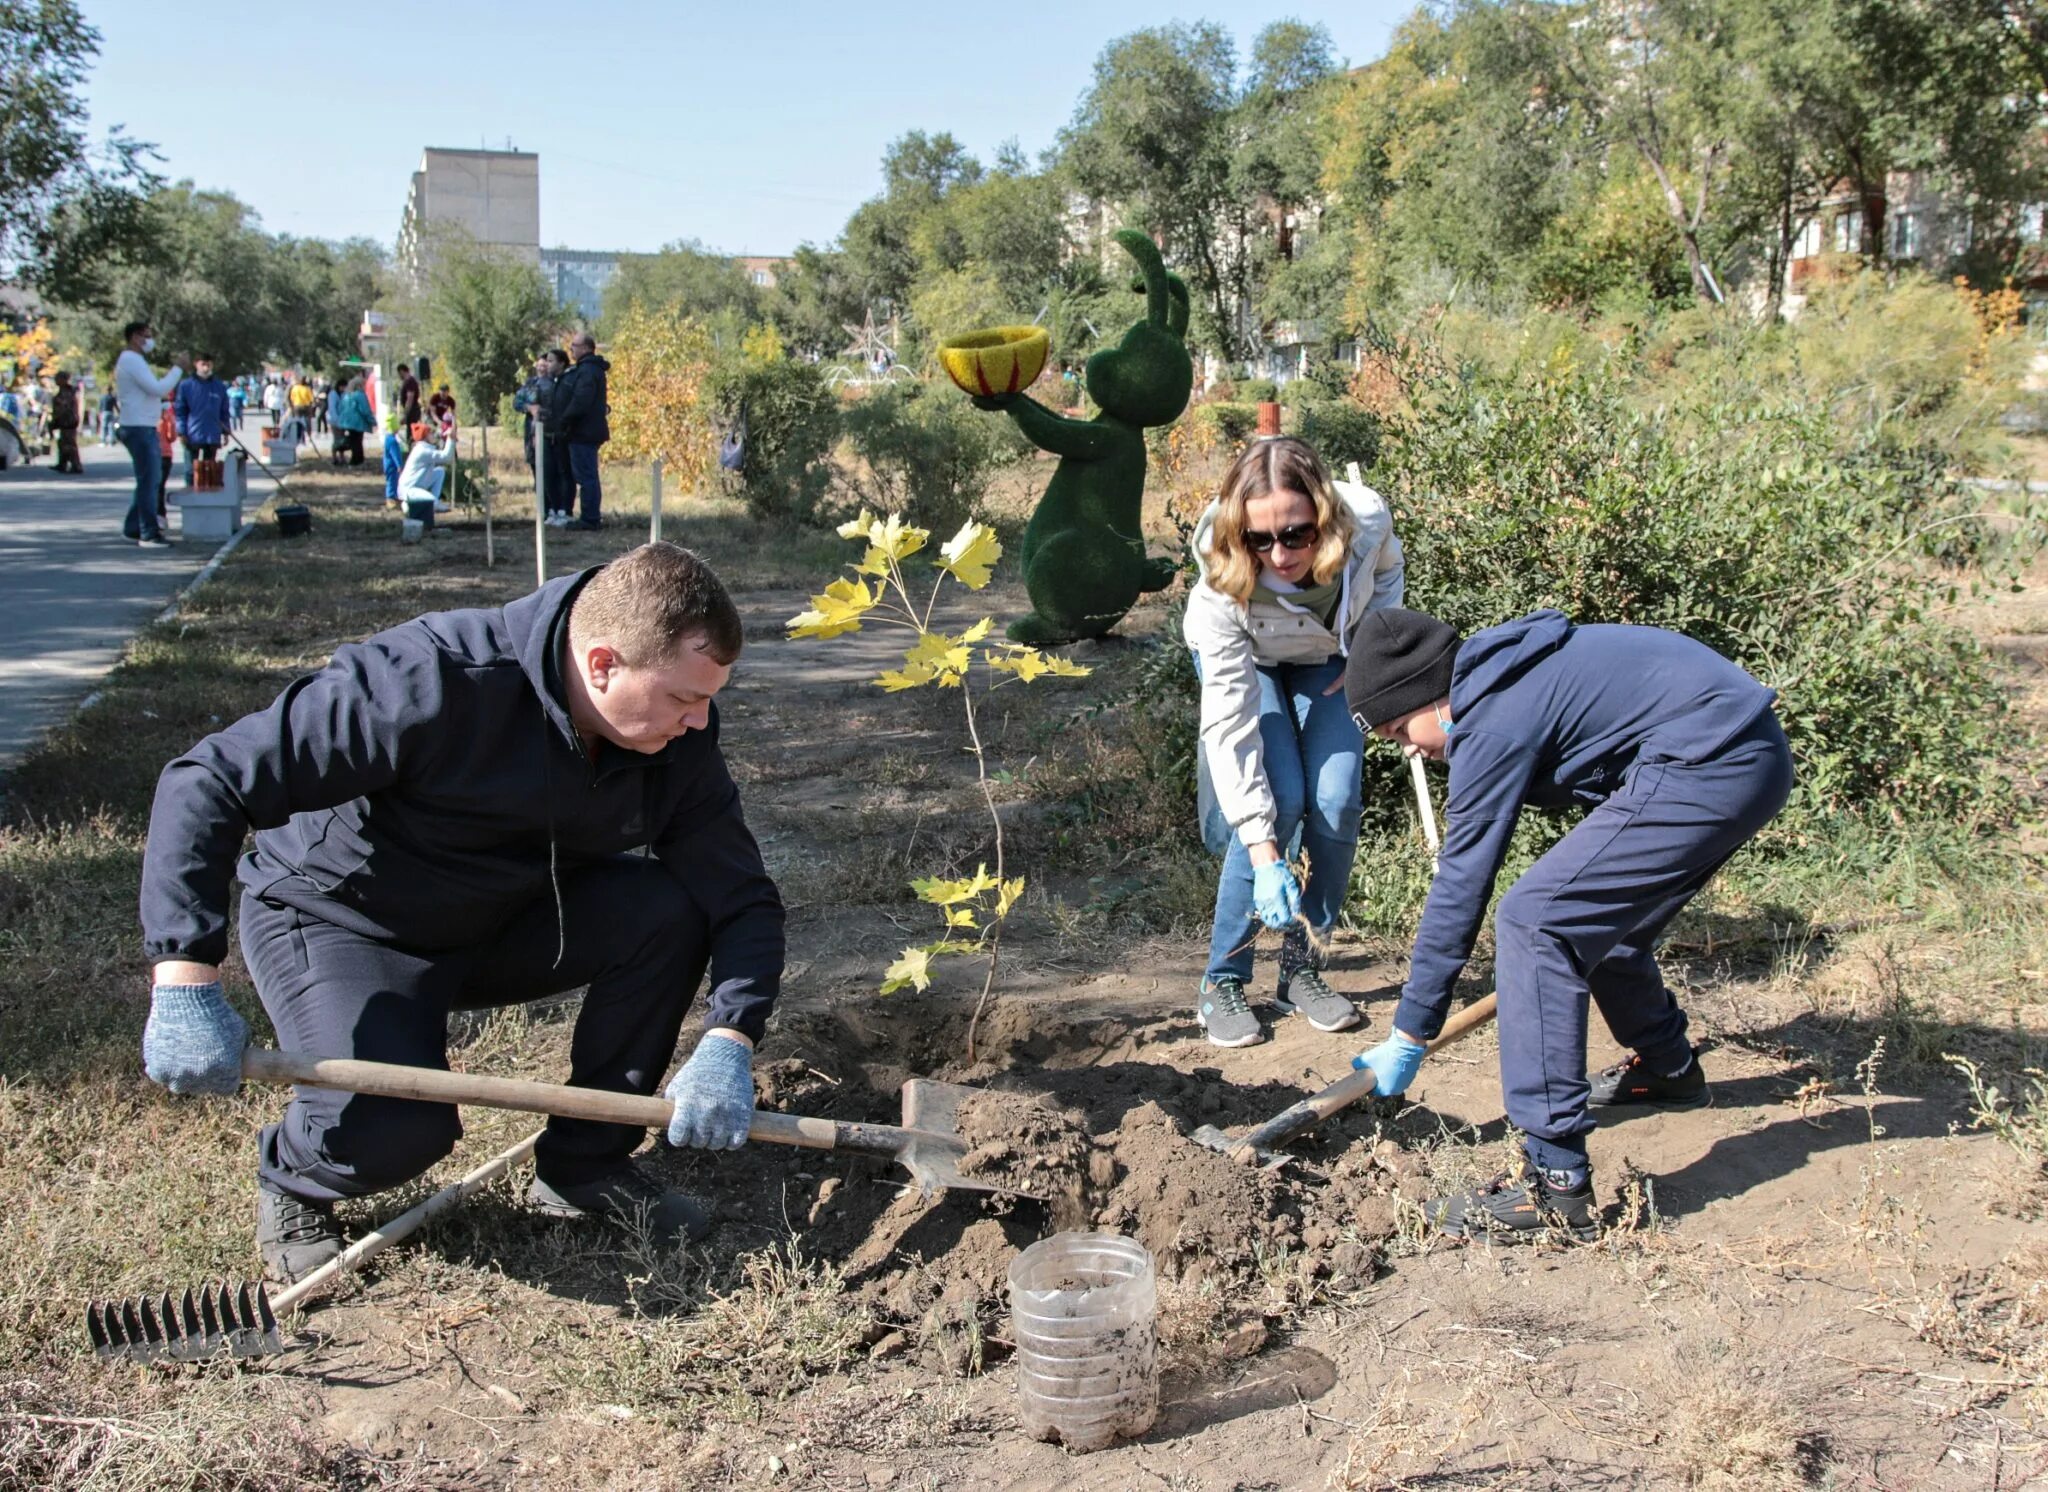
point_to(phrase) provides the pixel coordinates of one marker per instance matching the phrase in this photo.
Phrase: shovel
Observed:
(241, 1320)
(1259, 1146)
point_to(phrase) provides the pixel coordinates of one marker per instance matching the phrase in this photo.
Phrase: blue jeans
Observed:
(147, 455)
(583, 469)
(1313, 756)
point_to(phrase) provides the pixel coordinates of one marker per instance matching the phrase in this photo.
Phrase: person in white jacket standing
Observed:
(1290, 561)
(140, 395)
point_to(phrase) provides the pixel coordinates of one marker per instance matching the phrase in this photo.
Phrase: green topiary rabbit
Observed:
(1084, 551)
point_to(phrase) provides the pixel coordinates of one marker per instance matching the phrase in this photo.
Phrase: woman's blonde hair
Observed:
(1278, 463)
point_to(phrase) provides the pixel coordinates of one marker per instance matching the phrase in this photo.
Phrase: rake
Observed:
(240, 1320)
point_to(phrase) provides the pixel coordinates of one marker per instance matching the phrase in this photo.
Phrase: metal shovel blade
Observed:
(214, 1320)
(1217, 1140)
(932, 1149)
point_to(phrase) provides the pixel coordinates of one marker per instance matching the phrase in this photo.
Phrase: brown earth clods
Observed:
(1106, 1147)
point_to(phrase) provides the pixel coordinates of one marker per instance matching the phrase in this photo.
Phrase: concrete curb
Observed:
(205, 573)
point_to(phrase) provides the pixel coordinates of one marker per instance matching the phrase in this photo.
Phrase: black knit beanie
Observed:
(1400, 662)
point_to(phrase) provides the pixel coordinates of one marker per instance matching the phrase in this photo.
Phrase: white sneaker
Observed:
(556, 520)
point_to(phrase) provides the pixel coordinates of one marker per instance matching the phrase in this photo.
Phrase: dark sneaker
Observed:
(1225, 1015)
(622, 1197)
(1634, 1083)
(1519, 1209)
(1307, 993)
(587, 525)
(294, 1236)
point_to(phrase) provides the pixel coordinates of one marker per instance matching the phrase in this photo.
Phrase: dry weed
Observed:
(1737, 1419)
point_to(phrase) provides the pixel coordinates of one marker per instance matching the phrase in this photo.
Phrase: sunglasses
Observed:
(1294, 536)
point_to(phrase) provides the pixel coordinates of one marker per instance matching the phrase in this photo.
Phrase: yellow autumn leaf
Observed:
(945, 893)
(895, 680)
(960, 917)
(1011, 891)
(838, 609)
(978, 631)
(1065, 668)
(859, 527)
(945, 658)
(914, 968)
(1026, 663)
(895, 538)
(970, 554)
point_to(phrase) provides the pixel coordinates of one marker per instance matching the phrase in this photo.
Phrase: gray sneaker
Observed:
(1305, 992)
(1225, 1016)
(623, 1196)
(294, 1236)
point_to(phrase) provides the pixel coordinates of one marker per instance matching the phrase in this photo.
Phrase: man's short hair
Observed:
(128, 332)
(650, 600)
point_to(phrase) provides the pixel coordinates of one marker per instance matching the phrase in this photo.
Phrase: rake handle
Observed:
(404, 1225)
(1353, 1086)
(432, 1085)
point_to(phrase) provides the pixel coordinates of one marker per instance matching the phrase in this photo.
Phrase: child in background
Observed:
(167, 445)
(394, 461)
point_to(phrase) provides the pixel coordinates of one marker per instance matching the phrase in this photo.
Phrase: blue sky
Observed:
(749, 126)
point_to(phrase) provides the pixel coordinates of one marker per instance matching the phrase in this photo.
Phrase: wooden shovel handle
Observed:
(1353, 1086)
(432, 1085)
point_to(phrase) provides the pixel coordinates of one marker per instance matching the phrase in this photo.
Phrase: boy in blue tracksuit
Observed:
(1681, 759)
(394, 463)
(200, 409)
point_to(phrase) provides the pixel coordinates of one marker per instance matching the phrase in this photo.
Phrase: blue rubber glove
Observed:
(194, 1039)
(1394, 1061)
(713, 1095)
(1275, 894)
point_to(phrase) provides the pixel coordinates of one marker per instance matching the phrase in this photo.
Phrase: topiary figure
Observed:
(1084, 551)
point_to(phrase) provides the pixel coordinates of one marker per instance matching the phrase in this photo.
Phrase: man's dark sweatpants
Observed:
(629, 930)
(1582, 922)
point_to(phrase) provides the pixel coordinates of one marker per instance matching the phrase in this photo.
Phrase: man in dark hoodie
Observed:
(443, 821)
(1680, 758)
(579, 415)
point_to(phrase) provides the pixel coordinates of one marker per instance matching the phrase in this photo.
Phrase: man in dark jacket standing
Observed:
(1681, 760)
(579, 416)
(64, 422)
(443, 818)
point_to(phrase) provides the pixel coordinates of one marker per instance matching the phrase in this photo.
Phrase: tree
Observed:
(1153, 135)
(661, 366)
(490, 314)
(684, 279)
(65, 210)
(217, 283)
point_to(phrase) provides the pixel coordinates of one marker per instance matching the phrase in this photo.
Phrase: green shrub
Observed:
(1820, 570)
(927, 453)
(1342, 432)
(792, 426)
(1228, 424)
(1257, 391)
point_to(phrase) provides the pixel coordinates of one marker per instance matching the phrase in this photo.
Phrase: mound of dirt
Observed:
(1080, 1143)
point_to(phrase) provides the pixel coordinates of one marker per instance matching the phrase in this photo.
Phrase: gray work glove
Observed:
(194, 1039)
(713, 1095)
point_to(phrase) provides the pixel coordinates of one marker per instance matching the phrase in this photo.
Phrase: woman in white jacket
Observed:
(1290, 561)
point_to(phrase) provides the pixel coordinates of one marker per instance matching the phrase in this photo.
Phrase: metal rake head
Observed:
(214, 1320)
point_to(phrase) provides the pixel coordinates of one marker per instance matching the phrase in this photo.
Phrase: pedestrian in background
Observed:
(300, 400)
(352, 421)
(201, 410)
(64, 422)
(559, 492)
(110, 422)
(579, 416)
(441, 409)
(141, 395)
(409, 412)
(238, 400)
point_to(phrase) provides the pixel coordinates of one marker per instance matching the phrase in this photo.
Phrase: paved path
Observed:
(72, 590)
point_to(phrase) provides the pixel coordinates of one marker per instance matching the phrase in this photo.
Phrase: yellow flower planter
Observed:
(1001, 360)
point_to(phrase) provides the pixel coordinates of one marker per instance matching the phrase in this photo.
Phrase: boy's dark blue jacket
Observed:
(1549, 713)
(415, 789)
(201, 409)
